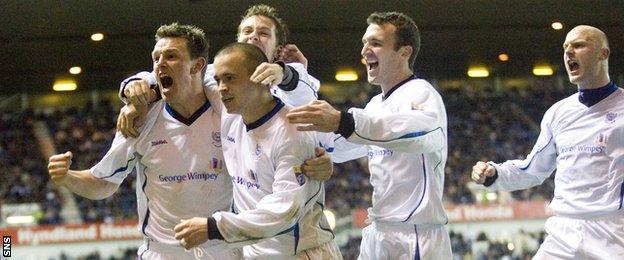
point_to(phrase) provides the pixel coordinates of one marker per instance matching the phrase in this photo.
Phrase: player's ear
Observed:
(199, 65)
(604, 53)
(406, 51)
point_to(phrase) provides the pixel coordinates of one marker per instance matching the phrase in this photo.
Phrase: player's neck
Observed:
(595, 83)
(396, 79)
(187, 105)
(264, 105)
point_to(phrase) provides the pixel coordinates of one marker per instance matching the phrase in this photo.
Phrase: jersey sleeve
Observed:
(293, 196)
(422, 126)
(118, 162)
(532, 171)
(122, 156)
(339, 149)
(306, 89)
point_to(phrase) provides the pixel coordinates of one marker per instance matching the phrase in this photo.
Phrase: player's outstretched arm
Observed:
(422, 127)
(81, 182)
(318, 116)
(522, 174)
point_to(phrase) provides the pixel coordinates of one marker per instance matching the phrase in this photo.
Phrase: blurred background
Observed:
(497, 64)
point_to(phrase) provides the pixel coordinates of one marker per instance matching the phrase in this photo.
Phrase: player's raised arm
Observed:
(422, 126)
(522, 174)
(81, 182)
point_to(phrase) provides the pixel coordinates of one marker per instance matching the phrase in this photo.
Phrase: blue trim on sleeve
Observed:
(424, 188)
(309, 86)
(120, 169)
(530, 161)
(405, 136)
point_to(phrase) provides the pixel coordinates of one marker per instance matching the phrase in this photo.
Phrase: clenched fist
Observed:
(58, 166)
(482, 170)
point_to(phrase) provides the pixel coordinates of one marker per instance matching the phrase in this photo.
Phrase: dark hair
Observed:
(195, 38)
(406, 33)
(271, 13)
(254, 56)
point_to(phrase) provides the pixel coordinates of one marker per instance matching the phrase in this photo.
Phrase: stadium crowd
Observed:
(24, 176)
(88, 133)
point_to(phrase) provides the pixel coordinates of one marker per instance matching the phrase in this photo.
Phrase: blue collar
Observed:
(590, 97)
(385, 96)
(265, 118)
(188, 121)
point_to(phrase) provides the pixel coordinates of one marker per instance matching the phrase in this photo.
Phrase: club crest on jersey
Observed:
(216, 139)
(610, 117)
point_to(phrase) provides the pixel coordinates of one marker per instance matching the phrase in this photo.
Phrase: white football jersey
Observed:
(405, 138)
(180, 169)
(586, 146)
(271, 200)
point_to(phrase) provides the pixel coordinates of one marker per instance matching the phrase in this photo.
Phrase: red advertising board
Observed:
(517, 210)
(72, 233)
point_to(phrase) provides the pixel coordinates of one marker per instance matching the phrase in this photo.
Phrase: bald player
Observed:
(582, 137)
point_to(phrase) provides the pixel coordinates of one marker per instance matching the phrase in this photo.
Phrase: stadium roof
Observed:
(43, 39)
